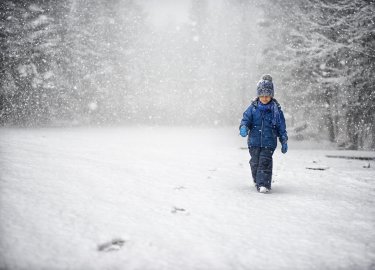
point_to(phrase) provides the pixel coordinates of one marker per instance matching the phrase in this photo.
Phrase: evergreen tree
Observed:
(324, 51)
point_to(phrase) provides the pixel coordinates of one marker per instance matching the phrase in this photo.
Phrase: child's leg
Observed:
(254, 161)
(264, 172)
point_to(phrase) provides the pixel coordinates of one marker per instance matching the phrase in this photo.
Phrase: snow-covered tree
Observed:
(30, 37)
(95, 50)
(65, 60)
(323, 51)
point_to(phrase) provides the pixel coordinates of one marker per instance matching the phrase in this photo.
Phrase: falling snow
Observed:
(119, 143)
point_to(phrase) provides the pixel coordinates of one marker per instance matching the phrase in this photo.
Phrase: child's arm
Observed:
(247, 118)
(281, 129)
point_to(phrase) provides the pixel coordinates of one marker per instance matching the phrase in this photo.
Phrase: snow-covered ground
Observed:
(178, 198)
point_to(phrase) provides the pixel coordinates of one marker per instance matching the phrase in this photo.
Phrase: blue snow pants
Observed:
(261, 165)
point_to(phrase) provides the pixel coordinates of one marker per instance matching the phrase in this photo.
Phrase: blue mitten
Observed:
(284, 148)
(243, 131)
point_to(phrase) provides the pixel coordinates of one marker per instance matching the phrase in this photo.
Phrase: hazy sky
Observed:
(164, 13)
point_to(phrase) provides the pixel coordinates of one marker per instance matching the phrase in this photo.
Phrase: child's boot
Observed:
(263, 190)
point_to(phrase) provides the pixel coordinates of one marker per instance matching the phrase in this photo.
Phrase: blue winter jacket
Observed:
(265, 125)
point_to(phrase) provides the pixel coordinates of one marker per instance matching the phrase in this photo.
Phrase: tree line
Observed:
(96, 62)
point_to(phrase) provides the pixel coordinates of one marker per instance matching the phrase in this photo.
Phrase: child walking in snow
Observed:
(263, 122)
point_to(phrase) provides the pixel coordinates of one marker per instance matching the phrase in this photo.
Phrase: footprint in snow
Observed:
(317, 168)
(176, 210)
(114, 245)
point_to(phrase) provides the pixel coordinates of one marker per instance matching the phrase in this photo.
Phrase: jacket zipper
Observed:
(261, 131)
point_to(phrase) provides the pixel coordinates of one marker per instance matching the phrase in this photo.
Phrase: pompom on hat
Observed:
(265, 86)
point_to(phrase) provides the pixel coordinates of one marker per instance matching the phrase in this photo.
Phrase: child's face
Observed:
(265, 99)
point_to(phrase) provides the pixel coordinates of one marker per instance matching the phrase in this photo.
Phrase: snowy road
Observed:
(177, 198)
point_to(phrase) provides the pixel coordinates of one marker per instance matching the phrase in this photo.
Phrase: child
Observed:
(264, 121)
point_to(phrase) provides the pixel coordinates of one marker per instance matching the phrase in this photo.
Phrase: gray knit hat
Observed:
(265, 86)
